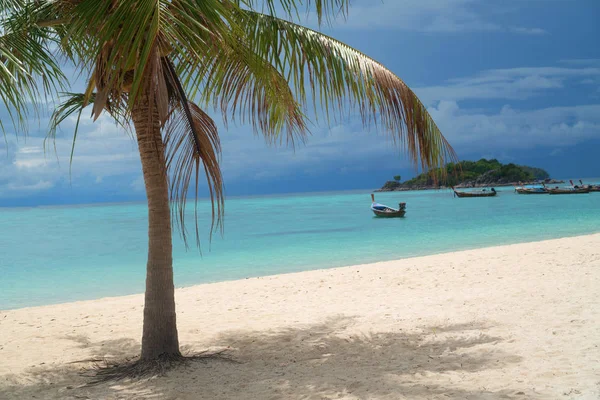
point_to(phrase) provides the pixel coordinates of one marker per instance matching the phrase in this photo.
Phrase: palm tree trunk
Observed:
(159, 339)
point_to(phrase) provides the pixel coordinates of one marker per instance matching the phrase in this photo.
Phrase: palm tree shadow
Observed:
(320, 361)
(329, 361)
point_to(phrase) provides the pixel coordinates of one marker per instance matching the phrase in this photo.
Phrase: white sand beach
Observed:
(510, 322)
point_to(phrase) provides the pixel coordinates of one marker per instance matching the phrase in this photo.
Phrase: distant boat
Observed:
(593, 188)
(381, 210)
(476, 193)
(533, 190)
(568, 190)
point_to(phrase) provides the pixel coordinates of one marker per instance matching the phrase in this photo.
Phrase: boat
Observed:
(381, 210)
(593, 188)
(476, 193)
(569, 190)
(533, 190)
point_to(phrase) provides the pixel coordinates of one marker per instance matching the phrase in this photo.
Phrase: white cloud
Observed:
(582, 61)
(510, 84)
(40, 185)
(342, 149)
(346, 147)
(30, 150)
(432, 16)
(508, 128)
(527, 31)
(30, 163)
(101, 150)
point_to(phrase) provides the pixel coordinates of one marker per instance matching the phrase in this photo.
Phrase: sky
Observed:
(516, 80)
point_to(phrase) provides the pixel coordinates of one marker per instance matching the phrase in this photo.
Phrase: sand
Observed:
(510, 322)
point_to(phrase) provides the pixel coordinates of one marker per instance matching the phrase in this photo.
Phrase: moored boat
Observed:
(568, 190)
(476, 193)
(593, 188)
(381, 210)
(533, 190)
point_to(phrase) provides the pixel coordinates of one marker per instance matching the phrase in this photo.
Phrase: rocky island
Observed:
(471, 174)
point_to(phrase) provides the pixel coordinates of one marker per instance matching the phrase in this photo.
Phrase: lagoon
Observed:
(60, 254)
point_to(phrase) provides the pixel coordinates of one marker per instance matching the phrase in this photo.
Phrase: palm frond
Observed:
(244, 87)
(118, 38)
(340, 76)
(191, 139)
(75, 103)
(29, 71)
(324, 9)
(7, 6)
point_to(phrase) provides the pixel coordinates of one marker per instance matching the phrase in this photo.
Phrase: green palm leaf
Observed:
(119, 54)
(191, 139)
(324, 9)
(244, 86)
(341, 77)
(29, 70)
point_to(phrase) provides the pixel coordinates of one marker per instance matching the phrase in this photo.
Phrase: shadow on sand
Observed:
(322, 361)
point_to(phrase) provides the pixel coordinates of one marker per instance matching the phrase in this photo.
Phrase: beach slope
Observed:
(509, 322)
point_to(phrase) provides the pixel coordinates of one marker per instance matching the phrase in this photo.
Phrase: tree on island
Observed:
(471, 172)
(397, 178)
(151, 64)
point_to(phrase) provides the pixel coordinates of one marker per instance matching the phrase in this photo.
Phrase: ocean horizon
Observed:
(61, 253)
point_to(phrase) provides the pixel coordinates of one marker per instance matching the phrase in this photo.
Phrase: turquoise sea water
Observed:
(58, 254)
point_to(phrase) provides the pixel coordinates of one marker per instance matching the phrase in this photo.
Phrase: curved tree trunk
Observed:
(159, 339)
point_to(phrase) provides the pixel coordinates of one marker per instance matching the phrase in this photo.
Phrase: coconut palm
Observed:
(152, 64)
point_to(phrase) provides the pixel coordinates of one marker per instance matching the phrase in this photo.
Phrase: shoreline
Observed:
(326, 269)
(514, 321)
(466, 186)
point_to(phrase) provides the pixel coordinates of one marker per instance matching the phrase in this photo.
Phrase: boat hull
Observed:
(531, 191)
(468, 194)
(568, 191)
(389, 214)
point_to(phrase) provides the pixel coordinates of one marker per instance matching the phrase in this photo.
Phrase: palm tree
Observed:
(151, 63)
